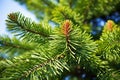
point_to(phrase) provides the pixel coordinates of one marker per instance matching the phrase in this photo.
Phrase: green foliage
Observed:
(14, 46)
(109, 46)
(34, 66)
(62, 13)
(87, 8)
(41, 52)
(95, 8)
(25, 28)
(68, 44)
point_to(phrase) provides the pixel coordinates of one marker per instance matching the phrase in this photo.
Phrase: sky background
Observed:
(8, 6)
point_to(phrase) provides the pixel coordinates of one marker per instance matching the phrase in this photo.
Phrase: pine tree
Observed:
(39, 51)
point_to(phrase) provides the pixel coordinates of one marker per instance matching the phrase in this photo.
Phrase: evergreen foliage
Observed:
(39, 51)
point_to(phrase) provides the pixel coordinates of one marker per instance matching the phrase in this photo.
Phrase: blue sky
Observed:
(8, 6)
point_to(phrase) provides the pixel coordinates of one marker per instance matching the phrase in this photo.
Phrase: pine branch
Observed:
(24, 27)
(63, 13)
(109, 74)
(109, 43)
(52, 53)
(42, 64)
(8, 45)
(36, 67)
(77, 48)
(49, 63)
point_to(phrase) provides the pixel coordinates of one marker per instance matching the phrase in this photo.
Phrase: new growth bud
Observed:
(109, 25)
(66, 27)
